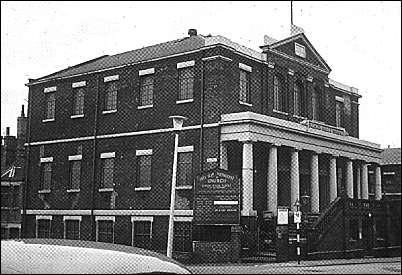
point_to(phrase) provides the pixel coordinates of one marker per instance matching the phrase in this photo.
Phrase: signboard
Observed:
(297, 217)
(216, 198)
(283, 216)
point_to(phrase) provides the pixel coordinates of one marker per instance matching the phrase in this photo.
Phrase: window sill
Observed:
(301, 117)
(48, 120)
(145, 106)
(142, 188)
(77, 116)
(43, 191)
(246, 104)
(280, 112)
(73, 190)
(184, 187)
(184, 101)
(109, 111)
(106, 190)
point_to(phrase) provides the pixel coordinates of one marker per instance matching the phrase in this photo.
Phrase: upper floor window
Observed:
(46, 176)
(300, 50)
(5, 196)
(316, 103)
(75, 174)
(280, 96)
(78, 101)
(111, 96)
(244, 86)
(186, 83)
(185, 167)
(50, 106)
(147, 90)
(144, 168)
(107, 170)
(299, 99)
(339, 114)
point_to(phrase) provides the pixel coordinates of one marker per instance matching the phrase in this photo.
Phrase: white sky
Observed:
(361, 41)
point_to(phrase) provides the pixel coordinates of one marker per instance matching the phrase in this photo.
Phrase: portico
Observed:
(300, 159)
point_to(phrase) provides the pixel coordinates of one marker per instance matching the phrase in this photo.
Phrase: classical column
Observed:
(349, 178)
(247, 178)
(365, 192)
(315, 192)
(358, 182)
(333, 191)
(272, 188)
(294, 178)
(224, 156)
(378, 189)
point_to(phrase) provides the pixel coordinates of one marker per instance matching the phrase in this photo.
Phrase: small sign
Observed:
(283, 216)
(297, 216)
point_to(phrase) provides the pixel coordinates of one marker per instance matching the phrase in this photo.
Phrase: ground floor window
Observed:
(72, 229)
(14, 233)
(105, 231)
(43, 228)
(182, 239)
(142, 234)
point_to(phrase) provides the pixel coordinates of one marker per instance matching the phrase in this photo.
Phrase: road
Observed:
(341, 266)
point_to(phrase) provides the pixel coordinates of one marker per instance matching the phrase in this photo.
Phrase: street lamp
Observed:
(177, 126)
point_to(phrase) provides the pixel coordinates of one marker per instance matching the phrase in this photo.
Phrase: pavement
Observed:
(334, 266)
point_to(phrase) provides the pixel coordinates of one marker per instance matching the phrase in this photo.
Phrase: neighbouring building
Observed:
(100, 148)
(12, 179)
(391, 172)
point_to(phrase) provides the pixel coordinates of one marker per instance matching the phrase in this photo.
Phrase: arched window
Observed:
(316, 103)
(279, 94)
(299, 99)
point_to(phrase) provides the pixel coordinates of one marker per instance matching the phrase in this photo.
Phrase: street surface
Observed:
(338, 266)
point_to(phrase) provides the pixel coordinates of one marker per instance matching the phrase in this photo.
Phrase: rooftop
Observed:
(187, 44)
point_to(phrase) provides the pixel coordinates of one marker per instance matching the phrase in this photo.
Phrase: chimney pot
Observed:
(7, 131)
(22, 111)
(192, 32)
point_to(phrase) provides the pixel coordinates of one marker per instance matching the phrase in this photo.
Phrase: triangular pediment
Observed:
(288, 47)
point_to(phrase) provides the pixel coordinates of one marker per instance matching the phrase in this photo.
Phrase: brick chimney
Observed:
(192, 32)
(22, 122)
(8, 153)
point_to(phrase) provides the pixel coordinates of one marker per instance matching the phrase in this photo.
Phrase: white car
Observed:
(55, 256)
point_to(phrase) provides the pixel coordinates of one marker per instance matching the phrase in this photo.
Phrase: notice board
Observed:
(216, 198)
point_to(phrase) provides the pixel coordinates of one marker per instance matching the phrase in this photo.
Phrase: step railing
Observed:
(323, 222)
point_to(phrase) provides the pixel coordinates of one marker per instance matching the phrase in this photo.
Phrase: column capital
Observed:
(296, 149)
(316, 152)
(271, 64)
(275, 144)
(291, 72)
(247, 140)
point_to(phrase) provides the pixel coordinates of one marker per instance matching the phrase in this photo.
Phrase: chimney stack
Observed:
(7, 131)
(192, 32)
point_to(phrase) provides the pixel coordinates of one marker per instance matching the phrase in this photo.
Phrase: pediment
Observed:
(288, 47)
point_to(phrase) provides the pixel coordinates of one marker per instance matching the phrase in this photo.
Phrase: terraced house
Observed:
(100, 141)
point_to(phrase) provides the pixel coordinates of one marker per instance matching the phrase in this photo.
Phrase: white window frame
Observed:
(78, 84)
(185, 64)
(104, 218)
(141, 219)
(300, 50)
(72, 218)
(74, 158)
(146, 71)
(111, 78)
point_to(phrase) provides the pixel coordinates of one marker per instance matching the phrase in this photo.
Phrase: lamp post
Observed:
(177, 126)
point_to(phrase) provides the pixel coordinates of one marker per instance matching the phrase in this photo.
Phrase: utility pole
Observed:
(297, 220)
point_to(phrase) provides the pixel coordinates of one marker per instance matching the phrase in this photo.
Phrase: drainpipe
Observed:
(202, 118)
(93, 185)
(27, 163)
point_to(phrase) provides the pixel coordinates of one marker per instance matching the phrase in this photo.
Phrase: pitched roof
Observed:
(295, 37)
(146, 54)
(13, 173)
(391, 156)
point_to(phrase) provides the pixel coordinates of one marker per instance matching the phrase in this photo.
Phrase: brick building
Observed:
(101, 142)
(12, 179)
